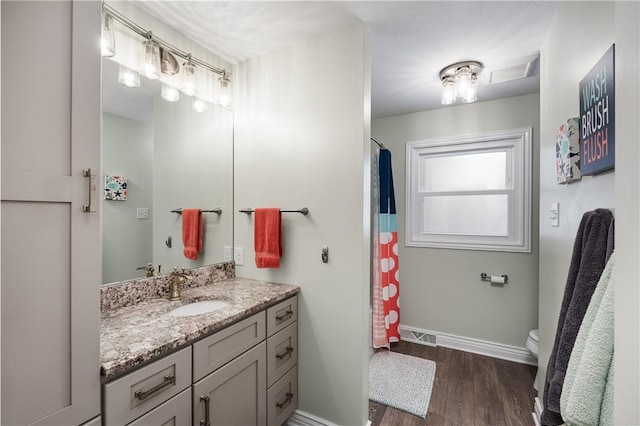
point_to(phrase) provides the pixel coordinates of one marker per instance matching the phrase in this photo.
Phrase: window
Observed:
(470, 192)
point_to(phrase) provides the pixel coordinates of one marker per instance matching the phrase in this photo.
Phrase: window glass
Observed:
(467, 214)
(464, 171)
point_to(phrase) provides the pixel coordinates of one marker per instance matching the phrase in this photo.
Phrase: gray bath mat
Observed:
(401, 381)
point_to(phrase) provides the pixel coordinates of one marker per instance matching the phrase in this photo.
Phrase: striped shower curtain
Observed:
(386, 282)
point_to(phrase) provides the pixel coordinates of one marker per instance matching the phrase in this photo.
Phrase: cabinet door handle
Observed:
(286, 402)
(285, 353)
(206, 421)
(286, 315)
(169, 380)
(93, 190)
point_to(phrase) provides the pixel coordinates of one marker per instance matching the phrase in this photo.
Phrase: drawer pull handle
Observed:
(285, 353)
(286, 402)
(169, 380)
(285, 316)
(206, 421)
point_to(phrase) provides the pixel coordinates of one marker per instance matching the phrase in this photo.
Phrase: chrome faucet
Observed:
(177, 279)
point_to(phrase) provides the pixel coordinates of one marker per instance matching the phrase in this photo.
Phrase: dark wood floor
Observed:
(469, 389)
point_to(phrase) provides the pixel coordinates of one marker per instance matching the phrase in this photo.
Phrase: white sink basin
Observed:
(198, 308)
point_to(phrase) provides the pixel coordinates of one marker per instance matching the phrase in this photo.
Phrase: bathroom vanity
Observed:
(234, 365)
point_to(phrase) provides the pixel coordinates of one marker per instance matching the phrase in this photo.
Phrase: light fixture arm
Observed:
(110, 11)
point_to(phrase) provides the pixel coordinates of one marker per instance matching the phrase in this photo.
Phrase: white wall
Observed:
(440, 289)
(580, 34)
(301, 139)
(627, 374)
(127, 150)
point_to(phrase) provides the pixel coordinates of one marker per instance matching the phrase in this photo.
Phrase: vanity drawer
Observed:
(282, 352)
(131, 396)
(281, 315)
(174, 412)
(214, 351)
(282, 398)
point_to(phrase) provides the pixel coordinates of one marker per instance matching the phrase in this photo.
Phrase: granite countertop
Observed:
(132, 335)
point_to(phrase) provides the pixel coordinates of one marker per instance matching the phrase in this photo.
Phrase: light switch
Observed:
(238, 255)
(228, 256)
(554, 214)
(142, 213)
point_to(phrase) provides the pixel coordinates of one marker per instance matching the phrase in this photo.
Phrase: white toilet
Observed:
(532, 346)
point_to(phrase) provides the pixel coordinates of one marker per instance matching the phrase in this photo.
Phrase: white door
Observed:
(50, 248)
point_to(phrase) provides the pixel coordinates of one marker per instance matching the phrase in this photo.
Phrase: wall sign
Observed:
(597, 117)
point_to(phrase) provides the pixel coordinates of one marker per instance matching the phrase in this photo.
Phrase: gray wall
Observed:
(127, 150)
(578, 37)
(193, 160)
(440, 289)
(302, 139)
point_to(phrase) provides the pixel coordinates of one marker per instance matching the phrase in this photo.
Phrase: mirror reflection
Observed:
(159, 156)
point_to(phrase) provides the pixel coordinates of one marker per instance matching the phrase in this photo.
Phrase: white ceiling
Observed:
(411, 41)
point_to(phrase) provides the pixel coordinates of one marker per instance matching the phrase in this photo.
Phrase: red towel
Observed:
(267, 237)
(192, 232)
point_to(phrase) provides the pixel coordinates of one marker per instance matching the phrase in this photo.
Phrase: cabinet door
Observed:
(234, 395)
(50, 101)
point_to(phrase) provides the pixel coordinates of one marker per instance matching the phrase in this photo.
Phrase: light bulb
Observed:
(199, 105)
(108, 40)
(128, 77)
(189, 78)
(150, 59)
(225, 96)
(169, 93)
(463, 79)
(448, 94)
(471, 94)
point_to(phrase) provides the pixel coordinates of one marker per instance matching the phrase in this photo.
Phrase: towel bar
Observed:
(216, 210)
(304, 211)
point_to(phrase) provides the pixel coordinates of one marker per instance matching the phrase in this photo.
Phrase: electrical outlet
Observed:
(142, 213)
(554, 214)
(238, 256)
(228, 256)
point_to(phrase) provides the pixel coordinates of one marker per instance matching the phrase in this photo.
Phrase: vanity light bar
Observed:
(110, 11)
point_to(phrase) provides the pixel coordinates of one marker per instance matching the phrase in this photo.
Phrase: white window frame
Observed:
(517, 143)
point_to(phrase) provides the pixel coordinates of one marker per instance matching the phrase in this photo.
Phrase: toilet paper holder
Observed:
(485, 277)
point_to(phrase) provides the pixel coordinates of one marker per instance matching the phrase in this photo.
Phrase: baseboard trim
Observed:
(301, 418)
(467, 344)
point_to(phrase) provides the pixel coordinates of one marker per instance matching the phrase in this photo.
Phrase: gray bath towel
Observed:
(591, 250)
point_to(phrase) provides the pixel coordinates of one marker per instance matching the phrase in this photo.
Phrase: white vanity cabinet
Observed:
(244, 374)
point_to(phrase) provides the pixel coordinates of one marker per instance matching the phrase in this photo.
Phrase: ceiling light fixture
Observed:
(128, 77)
(199, 105)
(150, 61)
(108, 40)
(460, 80)
(169, 93)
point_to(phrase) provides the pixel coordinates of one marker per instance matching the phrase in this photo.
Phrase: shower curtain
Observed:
(386, 282)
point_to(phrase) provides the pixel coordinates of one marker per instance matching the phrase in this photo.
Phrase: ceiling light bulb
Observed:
(199, 105)
(448, 94)
(189, 78)
(150, 59)
(225, 96)
(128, 77)
(108, 40)
(463, 79)
(471, 93)
(169, 93)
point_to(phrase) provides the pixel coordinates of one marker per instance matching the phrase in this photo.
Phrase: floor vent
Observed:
(419, 337)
